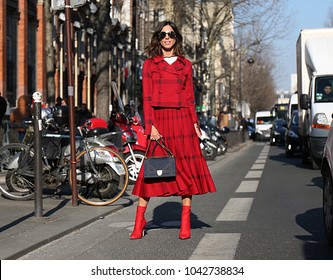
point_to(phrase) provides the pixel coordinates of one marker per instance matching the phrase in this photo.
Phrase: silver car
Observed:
(327, 174)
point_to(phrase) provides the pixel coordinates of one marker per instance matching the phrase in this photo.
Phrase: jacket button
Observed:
(160, 92)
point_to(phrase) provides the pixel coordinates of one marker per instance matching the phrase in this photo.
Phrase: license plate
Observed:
(120, 169)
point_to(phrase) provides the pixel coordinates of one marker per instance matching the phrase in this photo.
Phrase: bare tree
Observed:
(257, 22)
(329, 21)
(102, 23)
(106, 32)
(258, 86)
(270, 23)
(49, 49)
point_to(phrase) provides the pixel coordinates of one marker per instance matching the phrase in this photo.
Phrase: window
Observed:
(323, 89)
(265, 120)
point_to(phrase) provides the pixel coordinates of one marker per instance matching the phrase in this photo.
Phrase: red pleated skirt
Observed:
(192, 173)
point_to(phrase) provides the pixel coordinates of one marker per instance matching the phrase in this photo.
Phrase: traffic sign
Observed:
(60, 4)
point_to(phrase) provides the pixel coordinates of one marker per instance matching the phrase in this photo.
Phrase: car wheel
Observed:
(289, 153)
(305, 154)
(328, 205)
(314, 164)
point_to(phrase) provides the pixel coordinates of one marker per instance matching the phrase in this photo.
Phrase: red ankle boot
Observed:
(140, 223)
(185, 226)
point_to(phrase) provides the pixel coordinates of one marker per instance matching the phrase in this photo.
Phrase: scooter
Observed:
(133, 150)
(133, 140)
(218, 136)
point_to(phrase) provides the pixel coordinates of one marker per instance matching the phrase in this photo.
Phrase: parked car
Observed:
(327, 174)
(292, 140)
(278, 131)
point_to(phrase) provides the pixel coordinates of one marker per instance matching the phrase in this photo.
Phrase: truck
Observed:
(314, 58)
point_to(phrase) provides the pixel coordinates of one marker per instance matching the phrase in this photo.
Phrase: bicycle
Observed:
(101, 172)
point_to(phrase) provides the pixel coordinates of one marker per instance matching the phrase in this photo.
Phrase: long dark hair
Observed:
(155, 49)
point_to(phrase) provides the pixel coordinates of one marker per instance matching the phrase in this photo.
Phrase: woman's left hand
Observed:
(155, 135)
(197, 130)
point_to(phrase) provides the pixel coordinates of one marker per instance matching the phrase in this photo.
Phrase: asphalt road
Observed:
(267, 207)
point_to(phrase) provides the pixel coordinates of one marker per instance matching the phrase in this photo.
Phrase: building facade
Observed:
(21, 59)
(24, 58)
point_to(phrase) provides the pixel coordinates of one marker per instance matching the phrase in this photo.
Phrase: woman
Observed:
(22, 112)
(169, 109)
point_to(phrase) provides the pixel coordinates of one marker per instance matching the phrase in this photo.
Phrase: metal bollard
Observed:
(37, 97)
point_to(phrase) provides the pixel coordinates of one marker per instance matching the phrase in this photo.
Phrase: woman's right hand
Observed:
(154, 135)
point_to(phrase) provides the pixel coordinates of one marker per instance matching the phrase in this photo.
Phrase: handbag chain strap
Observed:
(161, 143)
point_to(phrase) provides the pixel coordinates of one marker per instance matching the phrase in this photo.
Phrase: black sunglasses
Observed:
(162, 34)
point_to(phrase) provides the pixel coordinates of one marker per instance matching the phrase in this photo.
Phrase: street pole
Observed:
(70, 89)
(133, 49)
(38, 169)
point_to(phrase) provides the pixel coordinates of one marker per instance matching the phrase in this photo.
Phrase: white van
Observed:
(314, 54)
(263, 122)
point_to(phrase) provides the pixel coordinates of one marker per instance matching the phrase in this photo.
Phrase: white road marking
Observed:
(262, 157)
(222, 246)
(217, 246)
(258, 166)
(253, 174)
(248, 186)
(261, 144)
(237, 209)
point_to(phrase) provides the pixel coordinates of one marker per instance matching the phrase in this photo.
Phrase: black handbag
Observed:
(159, 166)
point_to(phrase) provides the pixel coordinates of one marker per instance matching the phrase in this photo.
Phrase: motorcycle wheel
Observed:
(210, 152)
(107, 186)
(134, 165)
(224, 148)
(17, 171)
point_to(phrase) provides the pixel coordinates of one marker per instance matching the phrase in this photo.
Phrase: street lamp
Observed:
(250, 61)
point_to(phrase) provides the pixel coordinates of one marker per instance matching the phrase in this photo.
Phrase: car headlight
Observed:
(320, 121)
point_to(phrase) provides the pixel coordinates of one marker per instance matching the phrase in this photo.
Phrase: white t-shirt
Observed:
(171, 59)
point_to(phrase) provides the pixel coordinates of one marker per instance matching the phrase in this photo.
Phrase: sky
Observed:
(306, 14)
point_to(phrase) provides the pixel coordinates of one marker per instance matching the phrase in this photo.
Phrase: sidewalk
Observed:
(22, 232)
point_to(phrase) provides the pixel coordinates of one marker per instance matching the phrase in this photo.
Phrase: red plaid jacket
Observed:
(166, 85)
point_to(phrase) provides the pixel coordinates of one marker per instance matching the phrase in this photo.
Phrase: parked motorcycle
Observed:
(133, 152)
(208, 146)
